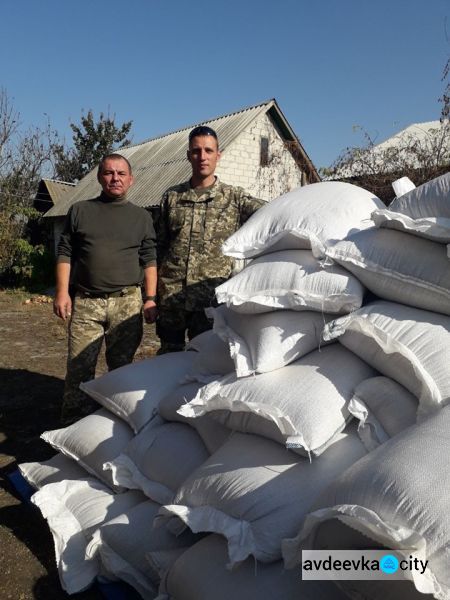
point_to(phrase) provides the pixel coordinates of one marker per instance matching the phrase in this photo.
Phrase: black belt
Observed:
(127, 291)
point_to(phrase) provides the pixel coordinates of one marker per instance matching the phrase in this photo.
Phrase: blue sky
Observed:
(332, 65)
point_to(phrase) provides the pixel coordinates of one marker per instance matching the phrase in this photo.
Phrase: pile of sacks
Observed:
(311, 417)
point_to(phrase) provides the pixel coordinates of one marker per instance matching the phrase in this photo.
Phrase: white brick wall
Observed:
(240, 163)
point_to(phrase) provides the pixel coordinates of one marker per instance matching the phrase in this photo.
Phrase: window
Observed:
(264, 152)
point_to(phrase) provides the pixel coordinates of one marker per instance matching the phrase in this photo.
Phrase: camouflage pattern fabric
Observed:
(172, 326)
(190, 233)
(118, 321)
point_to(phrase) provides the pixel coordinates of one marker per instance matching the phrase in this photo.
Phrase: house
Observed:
(420, 151)
(260, 152)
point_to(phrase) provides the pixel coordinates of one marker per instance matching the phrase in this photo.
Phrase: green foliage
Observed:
(29, 266)
(25, 157)
(91, 140)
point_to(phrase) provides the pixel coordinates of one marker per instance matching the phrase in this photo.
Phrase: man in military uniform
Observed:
(196, 218)
(107, 251)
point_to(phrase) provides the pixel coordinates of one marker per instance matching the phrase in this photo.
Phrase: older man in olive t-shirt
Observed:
(106, 251)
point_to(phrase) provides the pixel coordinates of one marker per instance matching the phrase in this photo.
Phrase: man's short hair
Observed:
(113, 156)
(202, 130)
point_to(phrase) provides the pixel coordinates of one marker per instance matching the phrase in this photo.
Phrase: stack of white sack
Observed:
(283, 395)
(107, 467)
(242, 435)
(286, 401)
(396, 497)
(405, 258)
(200, 573)
(254, 492)
(423, 211)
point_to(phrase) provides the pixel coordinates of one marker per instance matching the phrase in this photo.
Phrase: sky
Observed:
(334, 66)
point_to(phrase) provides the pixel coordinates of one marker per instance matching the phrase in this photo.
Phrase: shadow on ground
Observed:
(29, 404)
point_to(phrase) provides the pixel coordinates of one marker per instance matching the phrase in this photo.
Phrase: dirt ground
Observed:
(32, 367)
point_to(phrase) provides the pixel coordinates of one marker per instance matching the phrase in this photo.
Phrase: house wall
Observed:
(240, 164)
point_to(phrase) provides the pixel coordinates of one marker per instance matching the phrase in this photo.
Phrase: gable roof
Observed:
(51, 191)
(159, 163)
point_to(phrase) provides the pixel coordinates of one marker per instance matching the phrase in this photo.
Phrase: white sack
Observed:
(200, 574)
(424, 211)
(200, 341)
(92, 441)
(384, 408)
(403, 185)
(56, 469)
(291, 279)
(253, 492)
(212, 357)
(399, 267)
(266, 342)
(133, 392)
(408, 345)
(74, 509)
(123, 542)
(212, 433)
(307, 217)
(303, 405)
(398, 496)
(158, 460)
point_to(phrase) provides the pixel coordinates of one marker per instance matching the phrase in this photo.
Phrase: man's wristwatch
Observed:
(148, 298)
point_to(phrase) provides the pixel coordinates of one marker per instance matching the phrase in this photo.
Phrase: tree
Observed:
(445, 98)
(25, 157)
(91, 141)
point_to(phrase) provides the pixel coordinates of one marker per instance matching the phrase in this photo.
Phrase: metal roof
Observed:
(52, 190)
(161, 162)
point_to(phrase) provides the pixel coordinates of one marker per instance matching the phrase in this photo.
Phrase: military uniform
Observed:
(108, 244)
(192, 226)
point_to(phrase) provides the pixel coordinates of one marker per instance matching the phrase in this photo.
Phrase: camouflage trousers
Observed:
(116, 320)
(175, 322)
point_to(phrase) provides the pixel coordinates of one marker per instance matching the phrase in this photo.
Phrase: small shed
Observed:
(50, 192)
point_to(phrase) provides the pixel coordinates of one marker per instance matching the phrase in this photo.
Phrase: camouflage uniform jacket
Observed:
(190, 234)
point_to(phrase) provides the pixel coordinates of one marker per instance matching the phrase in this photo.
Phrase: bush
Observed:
(29, 266)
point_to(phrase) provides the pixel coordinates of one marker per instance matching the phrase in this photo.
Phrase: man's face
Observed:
(115, 177)
(203, 154)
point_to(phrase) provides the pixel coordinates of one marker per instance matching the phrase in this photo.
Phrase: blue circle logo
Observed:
(389, 564)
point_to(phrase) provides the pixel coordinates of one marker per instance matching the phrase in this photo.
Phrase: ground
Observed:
(32, 366)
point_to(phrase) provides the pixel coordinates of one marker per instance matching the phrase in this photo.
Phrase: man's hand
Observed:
(150, 311)
(62, 305)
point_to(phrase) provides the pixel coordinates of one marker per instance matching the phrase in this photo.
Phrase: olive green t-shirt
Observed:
(108, 244)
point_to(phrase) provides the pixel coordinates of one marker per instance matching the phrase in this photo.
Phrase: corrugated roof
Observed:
(52, 190)
(161, 162)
